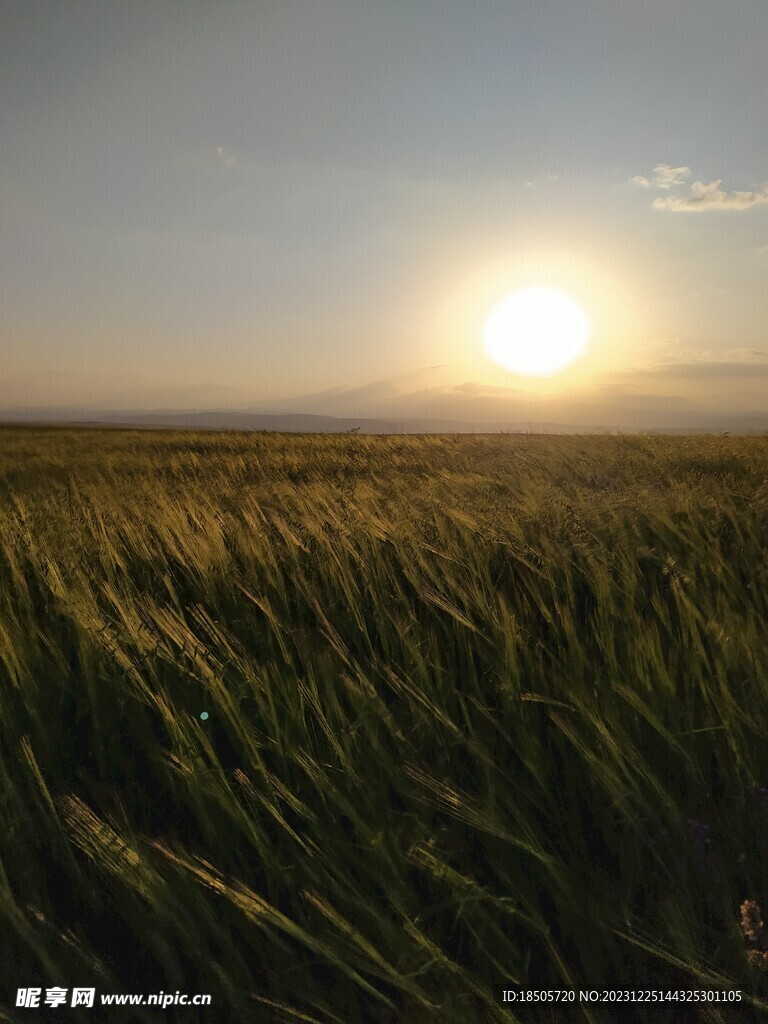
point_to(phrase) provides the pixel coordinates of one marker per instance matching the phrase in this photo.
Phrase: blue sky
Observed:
(220, 205)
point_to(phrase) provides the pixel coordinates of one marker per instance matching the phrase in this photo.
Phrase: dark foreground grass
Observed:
(485, 712)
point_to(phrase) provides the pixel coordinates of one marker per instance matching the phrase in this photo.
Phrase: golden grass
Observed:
(483, 710)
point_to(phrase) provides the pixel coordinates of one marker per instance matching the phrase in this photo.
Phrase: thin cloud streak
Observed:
(711, 369)
(227, 158)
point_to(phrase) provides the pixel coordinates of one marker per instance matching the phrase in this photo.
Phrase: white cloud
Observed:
(710, 196)
(667, 176)
(227, 158)
(702, 196)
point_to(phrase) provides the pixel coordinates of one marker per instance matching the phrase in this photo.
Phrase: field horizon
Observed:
(309, 424)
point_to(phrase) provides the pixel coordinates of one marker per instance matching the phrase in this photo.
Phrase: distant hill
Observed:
(745, 423)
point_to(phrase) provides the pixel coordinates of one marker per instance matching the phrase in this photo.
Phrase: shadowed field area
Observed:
(485, 712)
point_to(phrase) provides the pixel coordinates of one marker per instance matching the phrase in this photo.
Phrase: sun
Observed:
(536, 332)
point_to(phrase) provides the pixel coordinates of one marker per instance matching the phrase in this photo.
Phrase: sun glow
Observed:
(536, 332)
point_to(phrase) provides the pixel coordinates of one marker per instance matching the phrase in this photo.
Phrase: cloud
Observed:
(701, 197)
(698, 364)
(711, 197)
(763, 250)
(709, 369)
(665, 176)
(227, 158)
(671, 365)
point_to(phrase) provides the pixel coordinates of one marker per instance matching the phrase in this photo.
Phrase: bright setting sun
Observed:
(536, 332)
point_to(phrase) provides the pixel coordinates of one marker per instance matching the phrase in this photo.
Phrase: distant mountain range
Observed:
(295, 422)
(428, 399)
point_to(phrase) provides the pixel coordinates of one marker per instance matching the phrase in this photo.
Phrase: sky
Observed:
(244, 204)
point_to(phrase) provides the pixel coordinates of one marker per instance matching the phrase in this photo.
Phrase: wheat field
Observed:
(484, 713)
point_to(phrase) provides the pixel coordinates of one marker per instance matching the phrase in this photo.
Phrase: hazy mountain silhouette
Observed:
(745, 423)
(424, 401)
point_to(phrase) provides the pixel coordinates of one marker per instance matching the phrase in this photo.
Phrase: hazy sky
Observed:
(221, 204)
